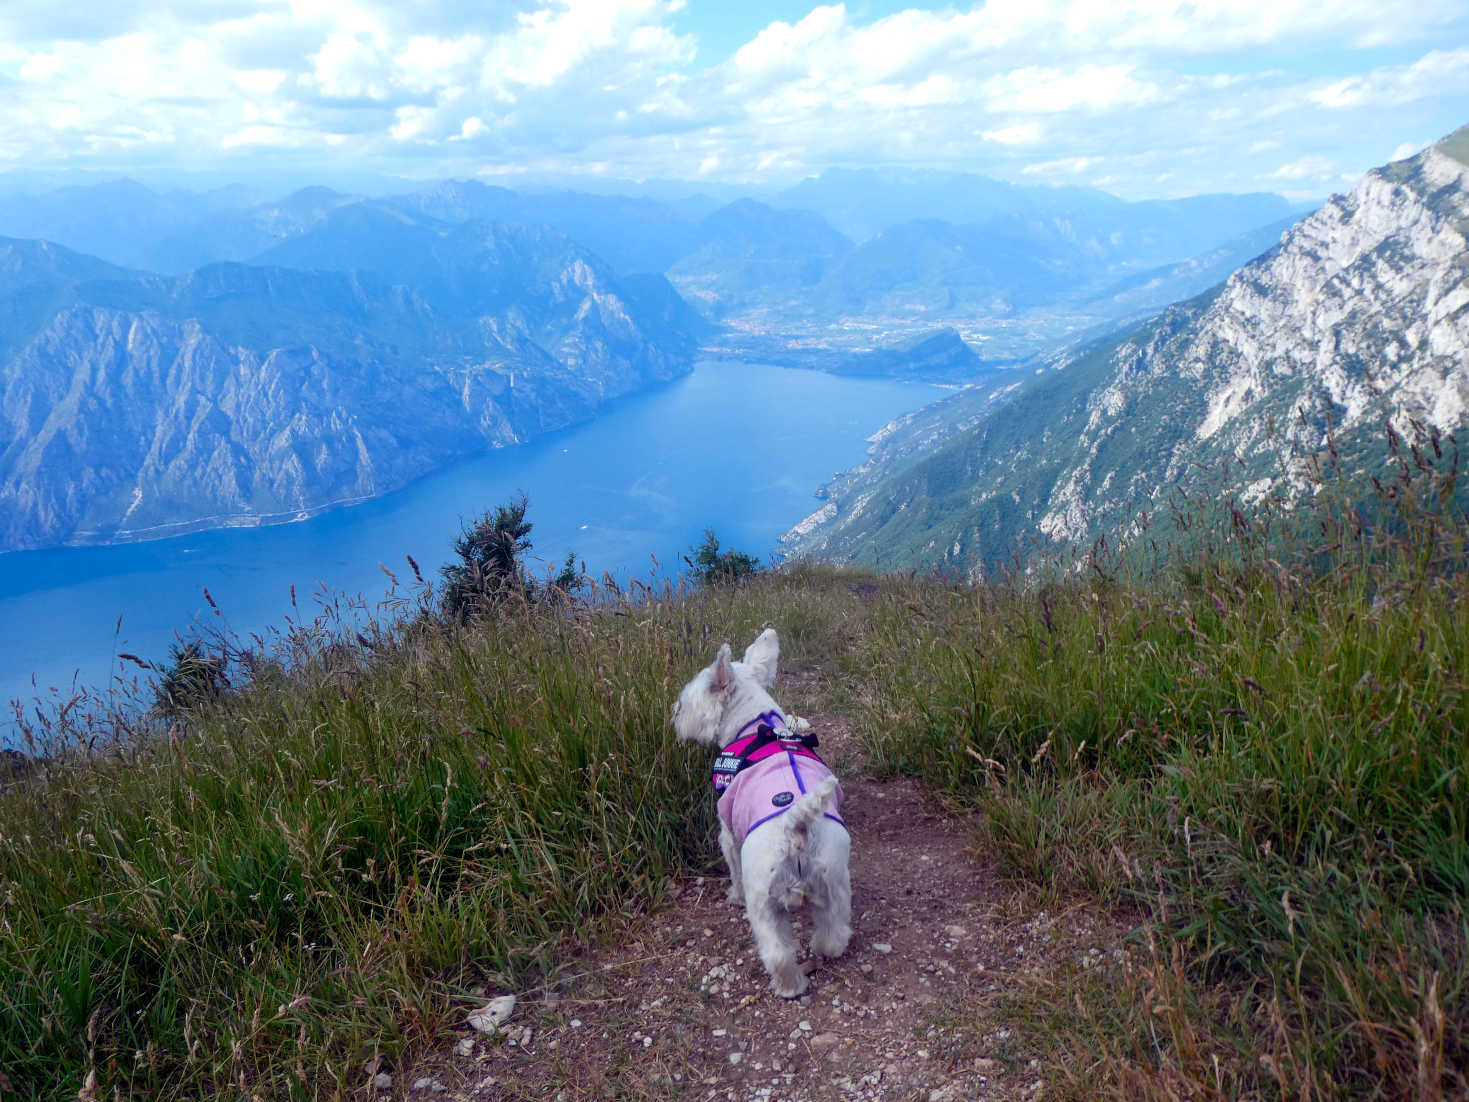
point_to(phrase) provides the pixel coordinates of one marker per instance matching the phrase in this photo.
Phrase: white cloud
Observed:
(411, 122)
(1392, 86)
(1089, 89)
(428, 62)
(787, 48)
(472, 128)
(1063, 166)
(1305, 168)
(552, 41)
(1025, 133)
(1210, 26)
(40, 66)
(1010, 87)
(352, 65)
(258, 83)
(259, 135)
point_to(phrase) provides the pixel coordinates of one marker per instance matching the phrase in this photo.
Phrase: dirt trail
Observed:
(681, 1008)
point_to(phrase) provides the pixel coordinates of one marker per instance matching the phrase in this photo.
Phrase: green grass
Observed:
(323, 866)
(1261, 745)
(1267, 747)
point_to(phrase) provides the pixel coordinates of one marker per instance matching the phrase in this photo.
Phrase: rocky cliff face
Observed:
(1358, 318)
(136, 405)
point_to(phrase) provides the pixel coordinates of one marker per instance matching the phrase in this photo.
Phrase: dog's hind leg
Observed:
(831, 899)
(776, 941)
(831, 913)
(736, 893)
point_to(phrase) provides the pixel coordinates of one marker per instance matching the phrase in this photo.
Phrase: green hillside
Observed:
(1257, 753)
(1346, 339)
(1456, 145)
(967, 505)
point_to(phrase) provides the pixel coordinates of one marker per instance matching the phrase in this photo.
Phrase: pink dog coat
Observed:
(761, 775)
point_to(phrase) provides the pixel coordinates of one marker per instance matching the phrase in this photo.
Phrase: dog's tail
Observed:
(805, 811)
(796, 823)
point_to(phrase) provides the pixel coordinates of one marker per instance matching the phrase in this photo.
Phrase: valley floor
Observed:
(929, 1001)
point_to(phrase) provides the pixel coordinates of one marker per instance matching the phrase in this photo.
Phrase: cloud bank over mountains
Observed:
(1141, 97)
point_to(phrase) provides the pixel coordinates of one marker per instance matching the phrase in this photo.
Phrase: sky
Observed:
(1143, 98)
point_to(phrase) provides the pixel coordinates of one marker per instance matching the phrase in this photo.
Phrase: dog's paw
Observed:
(830, 943)
(790, 985)
(735, 895)
(788, 978)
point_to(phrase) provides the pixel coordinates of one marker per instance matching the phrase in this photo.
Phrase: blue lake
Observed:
(737, 447)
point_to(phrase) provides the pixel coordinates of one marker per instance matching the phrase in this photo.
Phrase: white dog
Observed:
(778, 810)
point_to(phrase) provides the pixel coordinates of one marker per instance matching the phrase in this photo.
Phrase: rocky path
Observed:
(681, 1007)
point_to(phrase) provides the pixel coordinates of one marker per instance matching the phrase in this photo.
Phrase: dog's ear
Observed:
(722, 672)
(762, 656)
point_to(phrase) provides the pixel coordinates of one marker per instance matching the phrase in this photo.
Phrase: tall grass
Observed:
(1266, 745)
(316, 872)
(1252, 725)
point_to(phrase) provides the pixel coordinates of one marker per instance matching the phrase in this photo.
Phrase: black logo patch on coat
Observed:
(780, 799)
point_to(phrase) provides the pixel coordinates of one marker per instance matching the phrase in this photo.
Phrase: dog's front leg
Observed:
(736, 893)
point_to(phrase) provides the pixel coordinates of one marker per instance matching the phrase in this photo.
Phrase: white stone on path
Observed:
(494, 1013)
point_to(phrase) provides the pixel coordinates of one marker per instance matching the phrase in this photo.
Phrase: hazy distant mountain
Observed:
(936, 246)
(934, 268)
(37, 279)
(1022, 268)
(750, 256)
(472, 269)
(1359, 317)
(243, 233)
(864, 202)
(631, 234)
(1161, 231)
(1157, 287)
(136, 405)
(120, 221)
(1021, 261)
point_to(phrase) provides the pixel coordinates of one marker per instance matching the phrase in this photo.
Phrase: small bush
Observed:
(194, 679)
(711, 565)
(491, 566)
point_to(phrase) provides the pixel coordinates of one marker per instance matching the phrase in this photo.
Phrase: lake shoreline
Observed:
(627, 492)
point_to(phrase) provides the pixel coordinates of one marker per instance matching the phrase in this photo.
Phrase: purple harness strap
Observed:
(771, 737)
(757, 772)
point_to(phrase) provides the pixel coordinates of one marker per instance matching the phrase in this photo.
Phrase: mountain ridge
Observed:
(137, 405)
(1359, 315)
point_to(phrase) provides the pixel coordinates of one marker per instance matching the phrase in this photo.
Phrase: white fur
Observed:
(800, 856)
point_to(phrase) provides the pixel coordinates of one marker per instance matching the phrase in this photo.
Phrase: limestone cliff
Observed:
(134, 405)
(1357, 319)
